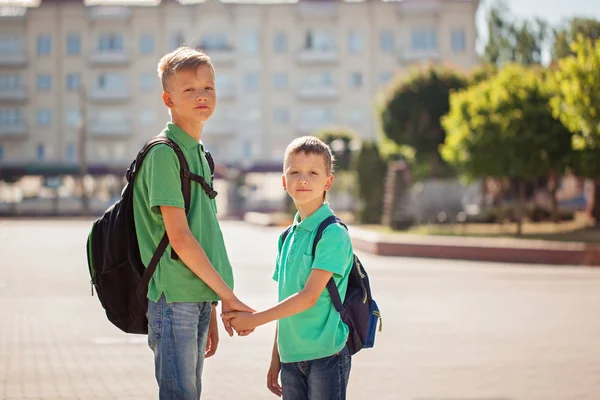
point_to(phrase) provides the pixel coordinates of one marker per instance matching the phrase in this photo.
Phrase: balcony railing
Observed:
(99, 95)
(109, 129)
(315, 56)
(14, 130)
(412, 55)
(100, 58)
(13, 95)
(318, 93)
(109, 13)
(13, 59)
(220, 55)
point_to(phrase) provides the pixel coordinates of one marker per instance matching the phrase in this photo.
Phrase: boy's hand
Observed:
(213, 334)
(240, 321)
(273, 377)
(233, 305)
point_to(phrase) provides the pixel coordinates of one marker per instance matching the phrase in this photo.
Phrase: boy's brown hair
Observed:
(182, 59)
(311, 145)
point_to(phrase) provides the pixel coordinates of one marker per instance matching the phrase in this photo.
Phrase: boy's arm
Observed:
(274, 368)
(303, 300)
(191, 253)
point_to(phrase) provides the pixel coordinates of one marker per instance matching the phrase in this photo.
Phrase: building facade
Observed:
(283, 70)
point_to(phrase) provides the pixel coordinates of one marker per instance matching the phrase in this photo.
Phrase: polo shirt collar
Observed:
(314, 220)
(183, 139)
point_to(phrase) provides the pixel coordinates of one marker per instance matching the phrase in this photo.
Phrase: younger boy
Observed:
(194, 272)
(310, 341)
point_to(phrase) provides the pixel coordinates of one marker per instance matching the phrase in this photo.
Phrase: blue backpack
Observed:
(358, 310)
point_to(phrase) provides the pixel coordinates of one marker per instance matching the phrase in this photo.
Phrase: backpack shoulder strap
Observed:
(333, 292)
(284, 235)
(183, 165)
(211, 163)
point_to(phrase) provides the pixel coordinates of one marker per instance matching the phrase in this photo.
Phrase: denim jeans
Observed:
(177, 334)
(321, 379)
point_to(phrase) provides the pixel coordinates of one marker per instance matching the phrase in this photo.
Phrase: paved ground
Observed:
(452, 330)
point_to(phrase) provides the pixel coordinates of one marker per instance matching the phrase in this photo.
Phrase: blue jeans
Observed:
(321, 379)
(177, 334)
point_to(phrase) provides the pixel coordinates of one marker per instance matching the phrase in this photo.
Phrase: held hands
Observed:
(243, 322)
(232, 307)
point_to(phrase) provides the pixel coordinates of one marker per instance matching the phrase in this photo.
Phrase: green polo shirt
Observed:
(319, 331)
(158, 183)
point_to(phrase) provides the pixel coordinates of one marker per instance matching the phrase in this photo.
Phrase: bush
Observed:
(370, 170)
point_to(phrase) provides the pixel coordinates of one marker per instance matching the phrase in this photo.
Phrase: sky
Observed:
(553, 11)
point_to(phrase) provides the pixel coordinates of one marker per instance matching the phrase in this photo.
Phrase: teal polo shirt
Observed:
(158, 183)
(319, 331)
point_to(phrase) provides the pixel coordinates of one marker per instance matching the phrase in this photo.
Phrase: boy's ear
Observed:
(166, 96)
(329, 183)
(283, 182)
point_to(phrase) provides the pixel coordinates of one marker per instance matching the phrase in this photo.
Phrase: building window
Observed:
(319, 40)
(111, 81)
(355, 41)
(214, 41)
(281, 115)
(280, 43)
(176, 40)
(280, 80)
(44, 82)
(73, 82)
(424, 39)
(110, 42)
(321, 79)
(317, 116)
(43, 117)
(386, 41)
(146, 82)
(356, 115)
(458, 39)
(10, 81)
(147, 117)
(72, 152)
(251, 81)
(73, 118)
(73, 44)
(41, 152)
(251, 42)
(10, 44)
(356, 80)
(11, 117)
(44, 45)
(385, 77)
(147, 43)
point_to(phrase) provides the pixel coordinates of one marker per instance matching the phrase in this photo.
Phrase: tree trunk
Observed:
(520, 207)
(553, 181)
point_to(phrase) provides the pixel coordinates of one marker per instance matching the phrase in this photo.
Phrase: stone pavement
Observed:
(452, 329)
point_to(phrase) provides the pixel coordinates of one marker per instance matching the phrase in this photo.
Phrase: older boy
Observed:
(310, 343)
(195, 270)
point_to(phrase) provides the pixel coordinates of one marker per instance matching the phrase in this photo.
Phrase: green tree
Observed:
(566, 35)
(510, 40)
(576, 102)
(411, 110)
(343, 143)
(370, 170)
(504, 127)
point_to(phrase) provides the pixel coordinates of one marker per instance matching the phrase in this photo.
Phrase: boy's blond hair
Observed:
(310, 145)
(182, 59)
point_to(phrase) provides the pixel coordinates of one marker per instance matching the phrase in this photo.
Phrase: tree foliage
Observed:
(567, 34)
(343, 143)
(370, 170)
(410, 113)
(504, 127)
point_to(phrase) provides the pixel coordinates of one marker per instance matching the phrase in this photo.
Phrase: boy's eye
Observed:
(210, 88)
(314, 173)
(294, 173)
(188, 90)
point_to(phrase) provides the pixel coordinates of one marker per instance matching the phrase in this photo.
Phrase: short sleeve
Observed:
(162, 178)
(334, 251)
(279, 248)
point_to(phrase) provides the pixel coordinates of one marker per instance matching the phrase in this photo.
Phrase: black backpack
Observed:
(358, 311)
(113, 255)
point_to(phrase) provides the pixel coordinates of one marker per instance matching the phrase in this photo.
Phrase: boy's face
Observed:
(191, 94)
(306, 179)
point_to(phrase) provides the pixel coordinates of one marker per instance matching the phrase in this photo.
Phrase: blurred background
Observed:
(446, 116)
